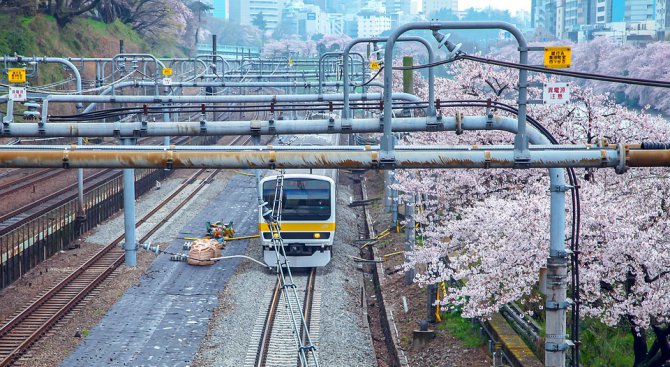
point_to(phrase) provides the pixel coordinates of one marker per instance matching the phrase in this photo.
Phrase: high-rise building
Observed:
(221, 9)
(372, 24)
(663, 18)
(544, 17)
(603, 11)
(640, 10)
(618, 10)
(244, 12)
(320, 3)
(398, 6)
(576, 14)
(432, 6)
(559, 29)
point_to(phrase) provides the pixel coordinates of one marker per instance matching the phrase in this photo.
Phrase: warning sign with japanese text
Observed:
(18, 94)
(557, 57)
(556, 93)
(374, 65)
(167, 71)
(16, 75)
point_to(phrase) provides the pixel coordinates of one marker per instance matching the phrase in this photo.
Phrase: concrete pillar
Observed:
(130, 245)
(556, 305)
(556, 308)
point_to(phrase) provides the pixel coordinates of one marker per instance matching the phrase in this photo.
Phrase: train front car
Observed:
(307, 224)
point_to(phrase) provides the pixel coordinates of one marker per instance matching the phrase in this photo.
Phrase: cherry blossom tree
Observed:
(489, 229)
(334, 42)
(604, 56)
(294, 46)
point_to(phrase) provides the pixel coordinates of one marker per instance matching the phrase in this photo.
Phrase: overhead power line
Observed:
(541, 69)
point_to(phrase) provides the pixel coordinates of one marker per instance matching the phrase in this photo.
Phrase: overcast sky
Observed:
(511, 5)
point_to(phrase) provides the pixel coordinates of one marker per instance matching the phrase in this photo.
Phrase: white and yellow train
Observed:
(308, 216)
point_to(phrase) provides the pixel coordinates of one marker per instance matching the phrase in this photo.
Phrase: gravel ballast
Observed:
(343, 337)
(162, 320)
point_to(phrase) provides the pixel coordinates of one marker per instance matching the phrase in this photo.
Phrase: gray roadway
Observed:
(162, 321)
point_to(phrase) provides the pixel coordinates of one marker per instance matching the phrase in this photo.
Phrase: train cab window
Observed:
(303, 198)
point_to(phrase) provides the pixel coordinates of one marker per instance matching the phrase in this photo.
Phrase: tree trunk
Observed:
(658, 354)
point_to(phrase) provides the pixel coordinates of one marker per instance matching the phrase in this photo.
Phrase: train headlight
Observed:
(317, 235)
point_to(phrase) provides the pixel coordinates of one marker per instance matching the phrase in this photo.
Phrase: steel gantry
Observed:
(531, 149)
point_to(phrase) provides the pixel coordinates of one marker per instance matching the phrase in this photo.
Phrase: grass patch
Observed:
(606, 346)
(463, 329)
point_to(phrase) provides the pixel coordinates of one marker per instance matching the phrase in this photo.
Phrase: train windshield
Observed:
(303, 198)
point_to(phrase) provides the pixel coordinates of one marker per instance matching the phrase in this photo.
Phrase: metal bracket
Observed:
(117, 129)
(487, 159)
(489, 114)
(203, 127)
(255, 127)
(556, 347)
(386, 161)
(169, 163)
(66, 158)
(552, 305)
(331, 124)
(531, 48)
(559, 188)
(560, 254)
(346, 124)
(459, 123)
(621, 168)
(271, 126)
(434, 124)
(143, 127)
(5, 127)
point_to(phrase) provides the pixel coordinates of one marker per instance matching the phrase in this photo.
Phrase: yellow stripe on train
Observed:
(300, 227)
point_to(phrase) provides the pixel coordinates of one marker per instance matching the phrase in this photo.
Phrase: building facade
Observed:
(372, 25)
(244, 12)
(432, 6)
(580, 20)
(639, 10)
(220, 9)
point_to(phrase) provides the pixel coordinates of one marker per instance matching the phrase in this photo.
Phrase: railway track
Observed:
(10, 220)
(273, 339)
(30, 324)
(32, 178)
(27, 180)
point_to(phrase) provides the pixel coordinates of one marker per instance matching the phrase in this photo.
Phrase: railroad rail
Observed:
(20, 183)
(272, 338)
(27, 180)
(11, 220)
(29, 325)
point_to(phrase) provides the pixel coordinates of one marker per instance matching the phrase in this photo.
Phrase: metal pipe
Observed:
(77, 75)
(148, 56)
(263, 127)
(387, 142)
(268, 157)
(321, 60)
(431, 76)
(220, 99)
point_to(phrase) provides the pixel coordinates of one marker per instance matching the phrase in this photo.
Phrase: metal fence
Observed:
(28, 245)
